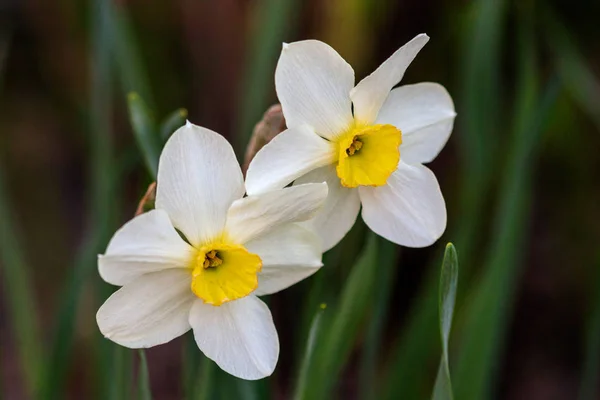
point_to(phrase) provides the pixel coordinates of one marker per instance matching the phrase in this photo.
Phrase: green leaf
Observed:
(144, 129)
(323, 287)
(130, 67)
(121, 367)
(578, 78)
(274, 21)
(372, 345)
(101, 207)
(340, 335)
(301, 386)
(489, 311)
(172, 122)
(204, 385)
(144, 391)
(447, 297)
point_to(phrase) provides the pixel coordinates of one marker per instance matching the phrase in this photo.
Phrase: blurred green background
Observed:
(520, 175)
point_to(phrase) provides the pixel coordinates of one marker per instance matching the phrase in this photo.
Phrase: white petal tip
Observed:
(188, 123)
(284, 45)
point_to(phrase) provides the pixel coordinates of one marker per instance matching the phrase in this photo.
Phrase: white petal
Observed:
(370, 93)
(257, 215)
(147, 243)
(289, 254)
(239, 336)
(409, 210)
(289, 155)
(313, 85)
(149, 311)
(198, 179)
(338, 214)
(425, 114)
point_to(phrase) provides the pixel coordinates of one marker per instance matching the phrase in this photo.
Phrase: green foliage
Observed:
(143, 392)
(274, 20)
(489, 310)
(572, 68)
(302, 384)
(144, 129)
(339, 333)
(101, 202)
(172, 122)
(370, 357)
(442, 389)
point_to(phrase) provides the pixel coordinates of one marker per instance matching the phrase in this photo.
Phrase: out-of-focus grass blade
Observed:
(16, 282)
(591, 368)
(144, 129)
(489, 310)
(143, 386)
(448, 281)
(100, 202)
(308, 353)
(572, 68)
(481, 93)
(204, 387)
(121, 367)
(479, 103)
(199, 372)
(189, 367)
(130, 66)
(172, 122)
(337, 340)
(272, 24)
(324, 285)
(384, 283)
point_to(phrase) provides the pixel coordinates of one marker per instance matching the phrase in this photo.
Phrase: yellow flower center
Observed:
(222, 272)
(367, 155)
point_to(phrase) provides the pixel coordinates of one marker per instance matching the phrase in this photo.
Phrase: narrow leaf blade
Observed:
(447, 298)
(172, 122)
(144, 391)
(145, 132)
(315, 327)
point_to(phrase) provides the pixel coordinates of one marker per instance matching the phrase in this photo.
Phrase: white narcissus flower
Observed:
(368, 142)
(236, 248)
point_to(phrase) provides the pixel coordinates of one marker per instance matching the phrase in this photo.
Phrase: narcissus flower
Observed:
(368, 142)
(235, 248)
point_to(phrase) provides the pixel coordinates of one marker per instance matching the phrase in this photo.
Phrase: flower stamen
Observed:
(212, 260)
(355, 146)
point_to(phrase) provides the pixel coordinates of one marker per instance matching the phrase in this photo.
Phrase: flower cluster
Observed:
(215, 242)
